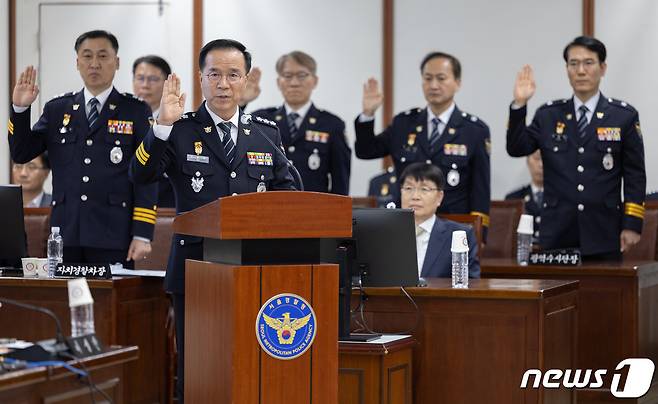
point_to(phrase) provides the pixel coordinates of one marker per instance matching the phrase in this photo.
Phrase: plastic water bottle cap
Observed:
(79, 294)
(525, 225)
(54, 229)
(459, 241)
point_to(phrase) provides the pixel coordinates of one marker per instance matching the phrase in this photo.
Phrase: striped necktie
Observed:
(292, 125)
(582, 121)
(435, 135)
(93, 112)
(227, 142)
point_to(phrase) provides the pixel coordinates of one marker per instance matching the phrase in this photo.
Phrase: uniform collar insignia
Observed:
(599, 115)
(247, 131)
(112, 107)
(208, 129)
(76, 106)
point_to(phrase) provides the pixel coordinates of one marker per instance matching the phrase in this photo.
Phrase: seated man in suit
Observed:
(533, 193)
(31, 176)
(422, 191)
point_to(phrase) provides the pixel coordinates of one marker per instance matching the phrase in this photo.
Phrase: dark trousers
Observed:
(614, 256)
(84, 255)
(179, 319)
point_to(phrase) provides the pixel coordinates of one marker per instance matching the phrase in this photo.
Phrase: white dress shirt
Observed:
(423, 240)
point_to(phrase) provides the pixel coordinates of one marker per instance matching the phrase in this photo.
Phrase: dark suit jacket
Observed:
(438, 258)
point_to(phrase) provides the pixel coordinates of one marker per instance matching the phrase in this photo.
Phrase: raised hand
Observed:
(372, 97)
(26, 89)
(524, 87)
(252, 90)
(172, 103)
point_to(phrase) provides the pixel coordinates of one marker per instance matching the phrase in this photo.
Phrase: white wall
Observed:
(343, 36)
(492, 40)
(4, 90)
(630, 34)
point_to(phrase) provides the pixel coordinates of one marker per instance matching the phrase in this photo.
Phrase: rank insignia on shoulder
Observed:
(120, 127)
(315, 136)
(609, 134)
(450, 149)
(265, 121)
(259, 159)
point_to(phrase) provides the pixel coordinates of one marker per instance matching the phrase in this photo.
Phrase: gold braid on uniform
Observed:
(634, 209)
(484, 216)
(144, 214)
(142, 155)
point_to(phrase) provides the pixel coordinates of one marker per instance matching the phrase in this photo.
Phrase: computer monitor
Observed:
(381, 253)
(385, 242)
(12, 236)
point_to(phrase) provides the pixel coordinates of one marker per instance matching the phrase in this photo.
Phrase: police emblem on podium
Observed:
(286, 326)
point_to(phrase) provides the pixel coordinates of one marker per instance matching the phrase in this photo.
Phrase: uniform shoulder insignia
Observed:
(264, 121)
(131, 96)
(473, 119)
(620, 103)
(63, 95)
(553, 103)
(186, 117)
(412, 111)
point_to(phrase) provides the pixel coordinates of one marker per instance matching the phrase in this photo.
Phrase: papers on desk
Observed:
(136, 272)
(384, 339)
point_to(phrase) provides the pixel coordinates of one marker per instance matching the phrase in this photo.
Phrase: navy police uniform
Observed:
(652, 196)
(194, 160)
(385, 189)
(582, 205)
(94, 202)
(193, 157)
(530, 207)
(462, 153)
(319, 150)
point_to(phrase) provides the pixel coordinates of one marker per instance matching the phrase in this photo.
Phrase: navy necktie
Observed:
(435, 135)
(93, 112)
(227, 142)
(582, 121)
(292, 125)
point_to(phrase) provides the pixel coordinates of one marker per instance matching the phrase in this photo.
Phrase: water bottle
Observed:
(459, 251)
(82, 308)
(524, 239)
(55, 250)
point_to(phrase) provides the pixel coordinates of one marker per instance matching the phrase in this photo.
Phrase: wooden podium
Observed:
(257, 246)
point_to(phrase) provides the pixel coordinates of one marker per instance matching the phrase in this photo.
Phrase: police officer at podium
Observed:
(209, 153)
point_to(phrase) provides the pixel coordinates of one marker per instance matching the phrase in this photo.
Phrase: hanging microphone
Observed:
(246, 119)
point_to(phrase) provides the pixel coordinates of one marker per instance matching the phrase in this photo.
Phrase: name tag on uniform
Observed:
(198, 159)
(315, 136)
(609, 134)
(121, 127)
(259, 159)
(451, 149)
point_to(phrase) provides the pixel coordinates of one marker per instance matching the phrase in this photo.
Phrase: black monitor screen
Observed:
(12, 236)
(385, 246)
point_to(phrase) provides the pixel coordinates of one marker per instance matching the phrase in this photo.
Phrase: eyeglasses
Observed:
(423, 190)
(300, 76)
(148, 79)
(30, 167)
(217, 77)
(587, 64)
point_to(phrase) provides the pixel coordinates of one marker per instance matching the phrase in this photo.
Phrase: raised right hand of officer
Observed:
(26, 88)
(524, 87)
(172, 103)
(372, 97)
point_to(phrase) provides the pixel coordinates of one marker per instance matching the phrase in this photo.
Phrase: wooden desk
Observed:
(375, 372)
(617, 314)
(58, 385)
(127, 311)
(475, 344)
